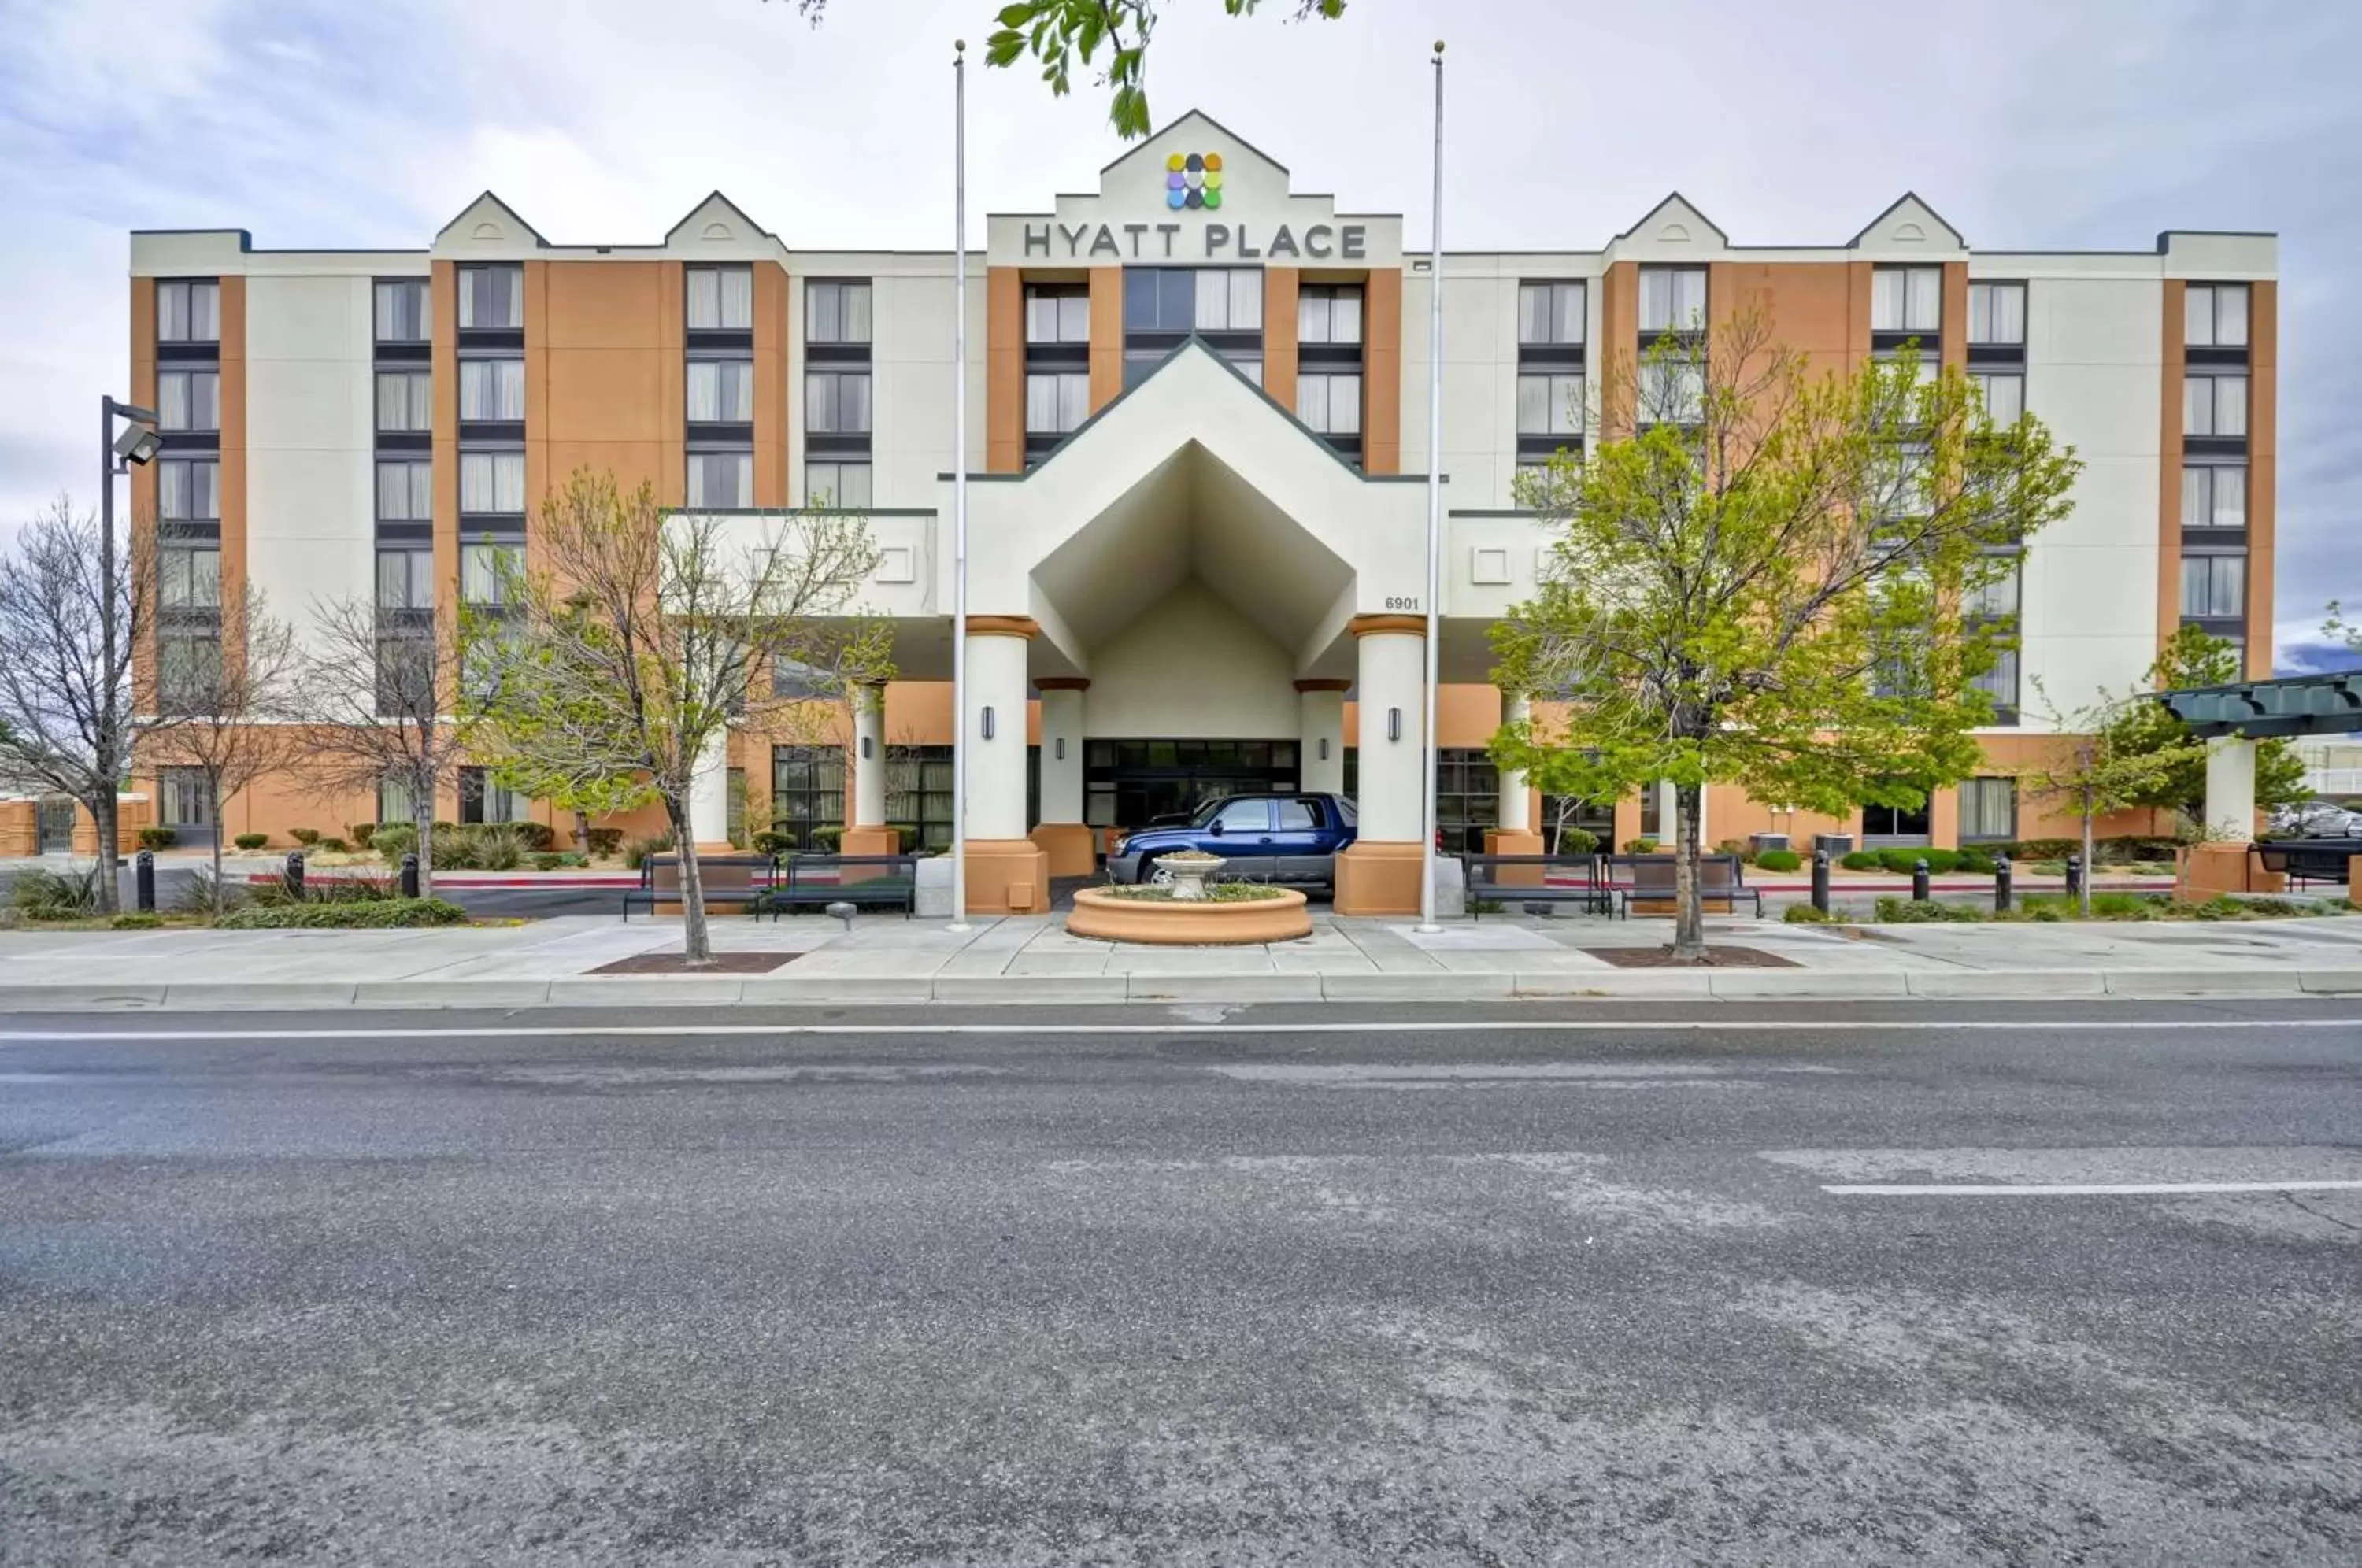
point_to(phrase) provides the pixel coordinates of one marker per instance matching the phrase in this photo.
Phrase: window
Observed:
(1552, 313)
(1205, 299)
(1672, 392)
(492, 390)
(1056, 401)
(2215, 405)
(491, 482)
(188, 400)
(836, 312)
(488, 574)
(1329, 405)
(491, 297)
(405, 580)
(405, 493)
(187, 802)
(1549, 405)
(1467, 798)
(2214, 588)
(188, 672)
(720, 392)
(1997, 313)
(1906, 299)
(2215, 315)
(837, 402)
(483, 798)
(393, 801)
(188, 489)
(1896, 821)
(1673, 299)
(1988, 809)
(845, 485)
(1243, 816)
(1899, 482)
(721, 481)
(919, 791)
(1230, 301)
(720, 298)
(405, 673)
(1298, 816)
(189, 578)
(2000, 683)
(808, 789)
(2003, 396)
(795, 680)
(405, 313)
(188, 312)
(1057, 315)
(2213, 497)
(1328, 312)
(405, 400)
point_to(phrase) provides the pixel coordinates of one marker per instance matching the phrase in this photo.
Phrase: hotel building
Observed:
(1198, 435)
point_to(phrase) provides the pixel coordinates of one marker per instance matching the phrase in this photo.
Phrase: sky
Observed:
(2051, 124)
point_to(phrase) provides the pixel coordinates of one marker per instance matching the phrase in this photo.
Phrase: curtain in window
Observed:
(489, 297)
(1988, 808)
(1246, 300)
(2230, 405)
(402, 312)
(172, 401)
(704, 298)
(492, 390)
(720, 481)
(2230, 498)
(721, 391)
(491, 482)
(1213, 312)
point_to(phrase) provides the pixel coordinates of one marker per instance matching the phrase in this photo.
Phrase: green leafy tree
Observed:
(1770, 579)
(2336, 628)
(1060, 34)
(2097, 763)
(2139, 726)
(644, 637)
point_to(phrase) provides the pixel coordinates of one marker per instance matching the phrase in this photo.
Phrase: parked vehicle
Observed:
(1265, 838)
(2317, 819)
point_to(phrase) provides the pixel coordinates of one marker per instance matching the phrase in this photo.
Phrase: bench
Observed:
(2307, 860)
(1527, 879)
(743, 880)
(1722, 879)
(888, 880)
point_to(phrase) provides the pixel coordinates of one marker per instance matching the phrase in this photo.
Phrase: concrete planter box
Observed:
(1105, 916)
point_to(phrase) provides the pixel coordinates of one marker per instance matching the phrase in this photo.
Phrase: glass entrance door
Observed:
(1134, 783)
(54, 826)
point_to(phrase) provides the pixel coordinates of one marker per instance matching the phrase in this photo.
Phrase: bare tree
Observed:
(381, 705)
(648, 637)
(230, 710)
(67, 717)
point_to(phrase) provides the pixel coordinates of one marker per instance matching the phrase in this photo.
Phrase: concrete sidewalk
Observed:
(1031, 959)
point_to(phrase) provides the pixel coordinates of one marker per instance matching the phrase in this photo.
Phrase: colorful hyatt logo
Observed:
(1193, 180)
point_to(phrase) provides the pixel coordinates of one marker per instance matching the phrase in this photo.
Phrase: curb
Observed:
(1171, 989)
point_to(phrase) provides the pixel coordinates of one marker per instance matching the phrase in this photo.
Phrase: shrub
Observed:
(136, 919)
(908, 836)
(1730, 846)
(538, 838)
(1863, 860)
(336, 846)
(380, 914)
(1577, 841)
(1942, 862)
(828, 839)
(1899, 861)
(606, 841)
(775, 841)
(1780, 860)
(1977, 862)
(363, 833)
(546, 861)
(637, 853)
(393, 841)
(275, 894)
(1913, 911)
(499, 848)
(196, 894)
(307, 838)
(1640, 847)
(157, 838)
(2123, 906)
(2129, 847)
(56, 895)
(251, 840)
(1804, 914)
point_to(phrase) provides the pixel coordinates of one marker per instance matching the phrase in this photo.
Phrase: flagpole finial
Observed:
(959, 46)
(1438, 46)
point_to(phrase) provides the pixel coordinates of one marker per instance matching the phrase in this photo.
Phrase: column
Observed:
(867, 833)
(1008, 873)
(1514, 833)
(2225, 864)
(1320, 745)
(1379, 873)
(709, 796)
(1061, 832)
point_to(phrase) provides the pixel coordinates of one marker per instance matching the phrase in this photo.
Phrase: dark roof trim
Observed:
(2300, 705)
(1908, 196)
(1177, 124)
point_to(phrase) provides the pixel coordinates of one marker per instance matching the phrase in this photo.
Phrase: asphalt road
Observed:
(1210, 1286)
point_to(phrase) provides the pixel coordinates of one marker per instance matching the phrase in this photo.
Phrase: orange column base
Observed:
(870, 841)
(1378, 877)
(1071, 847)
(1515, 841)
(2209, 870)
(1006, 876)
(2354, 880)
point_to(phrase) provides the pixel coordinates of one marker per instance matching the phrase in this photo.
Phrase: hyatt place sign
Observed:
(1213, 241)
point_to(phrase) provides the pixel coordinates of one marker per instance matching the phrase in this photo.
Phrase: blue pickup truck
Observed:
(1265, 838)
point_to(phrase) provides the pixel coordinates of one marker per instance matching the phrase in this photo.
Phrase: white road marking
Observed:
(2083, 1188)
(686, 1030)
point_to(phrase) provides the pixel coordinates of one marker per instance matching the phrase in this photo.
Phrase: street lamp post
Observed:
(118, 454)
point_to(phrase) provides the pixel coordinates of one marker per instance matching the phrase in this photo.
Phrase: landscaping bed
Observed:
(2045, 908)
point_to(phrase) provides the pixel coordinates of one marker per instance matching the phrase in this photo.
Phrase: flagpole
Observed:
(1434, 515)
(959, 485)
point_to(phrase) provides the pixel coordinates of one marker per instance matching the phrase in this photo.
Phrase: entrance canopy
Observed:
(2301, 705)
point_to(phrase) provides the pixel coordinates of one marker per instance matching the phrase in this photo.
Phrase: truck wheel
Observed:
(1147, 872)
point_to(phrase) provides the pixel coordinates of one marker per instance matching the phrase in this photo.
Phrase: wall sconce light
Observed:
(1062, 748)
(868, 748)
(1324, 748)
(987, 723)
(1394, 723)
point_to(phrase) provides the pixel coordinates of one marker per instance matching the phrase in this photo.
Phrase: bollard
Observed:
(143, 881)
(409, 876)
(1919, 880)
(1821, 881)
(2000, 884)
(294, 876)
(2074, 876)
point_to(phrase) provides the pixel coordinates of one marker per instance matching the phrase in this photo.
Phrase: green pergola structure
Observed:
(2231, 719)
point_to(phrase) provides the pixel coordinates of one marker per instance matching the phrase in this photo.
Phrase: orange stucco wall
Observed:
(1382, 371)
(1279, 292)
(1004, 369)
